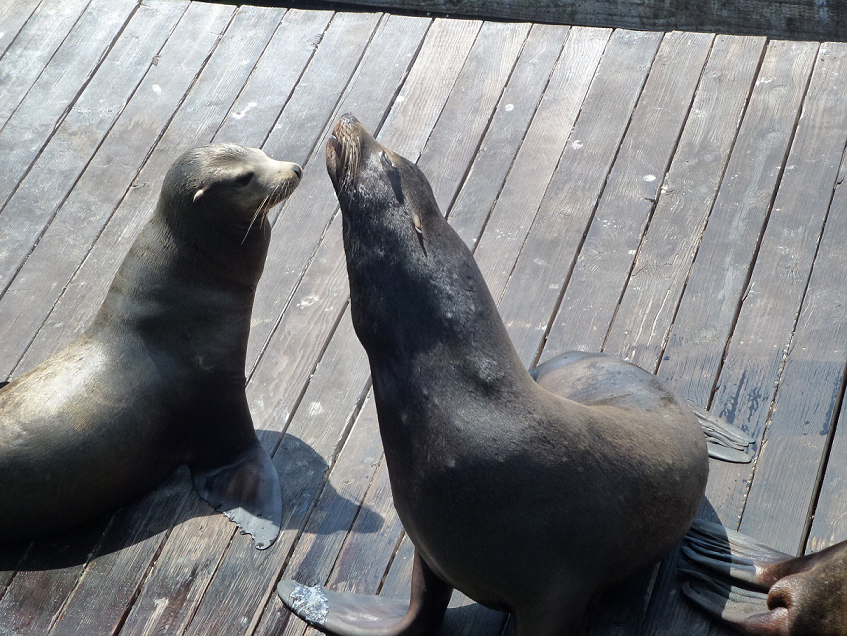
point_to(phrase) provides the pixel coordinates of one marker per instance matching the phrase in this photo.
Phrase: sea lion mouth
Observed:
(343, 149)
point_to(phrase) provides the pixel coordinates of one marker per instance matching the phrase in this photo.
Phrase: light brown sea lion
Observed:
(158, 379)
(527, 496)
(761, 591)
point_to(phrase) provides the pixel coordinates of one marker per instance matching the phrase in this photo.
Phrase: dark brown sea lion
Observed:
(526, 499)
(158, 379)
(763, 592)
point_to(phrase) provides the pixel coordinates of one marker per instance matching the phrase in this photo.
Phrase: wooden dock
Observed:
(674, 198)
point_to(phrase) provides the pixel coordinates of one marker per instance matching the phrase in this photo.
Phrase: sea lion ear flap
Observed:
(416, 222)
(247, 491)
(197, 195)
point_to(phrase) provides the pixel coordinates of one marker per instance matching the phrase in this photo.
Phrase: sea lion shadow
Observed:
(151, 518)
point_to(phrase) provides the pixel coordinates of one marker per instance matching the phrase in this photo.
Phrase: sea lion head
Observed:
(378, 189)
(415, 288)
(230, 186)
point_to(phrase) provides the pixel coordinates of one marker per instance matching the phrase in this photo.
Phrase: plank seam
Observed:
(81, 172)
(561, 294)
(484, 132)
(755, 75)
(790, 344)
(762, 231)
(21, 28)
(47, 63)
(523, 139)
(499, 299)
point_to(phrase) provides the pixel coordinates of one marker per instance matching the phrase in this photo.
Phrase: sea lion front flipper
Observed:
(247, 491)
(346, 614)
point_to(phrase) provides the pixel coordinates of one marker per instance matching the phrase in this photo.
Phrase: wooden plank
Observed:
(104, 184)
(45, 579)
(57, 87)
(145, 115)
(333, 514)
(295, 135)
(795, 19)
(714, 290)
(471, 206)
(98, 603)
(715, 287)
(568, 205)
(13, 17)
(37, 41)
(767, 320)
(271, 83)
(664, 259)
(604, 262)
(467, 113)
(66, 156)
(806, 404)
(535, 163)
(195, 123)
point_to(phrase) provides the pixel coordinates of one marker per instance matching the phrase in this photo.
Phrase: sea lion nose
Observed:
(297, 170)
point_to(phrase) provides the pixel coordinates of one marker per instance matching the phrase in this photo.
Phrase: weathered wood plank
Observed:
(39, 37)
(724, 261)
(604, 262)
(104, 183)
(798, 19)
(195, 123)
(13, 16)
(468, 110)
(470, 208)
(664, 259)
(70, 149)
(714, 290)
(767, 320)
(295, 135)
(535, 163)
(60, 82)
(533, 290)
(777, 509)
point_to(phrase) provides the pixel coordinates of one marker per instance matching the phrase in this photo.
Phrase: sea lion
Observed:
(526, 499)
(157, 380)
(763, 592)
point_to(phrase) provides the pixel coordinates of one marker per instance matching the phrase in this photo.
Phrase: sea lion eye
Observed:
(386, 160)
(244, 179)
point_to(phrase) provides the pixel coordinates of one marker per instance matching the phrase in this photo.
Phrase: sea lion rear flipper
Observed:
(745, 609)
(346, 614)
(247, 491)
(731, 554)
(725, 441)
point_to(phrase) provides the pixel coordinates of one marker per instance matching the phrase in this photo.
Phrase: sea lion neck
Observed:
(211, 301)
